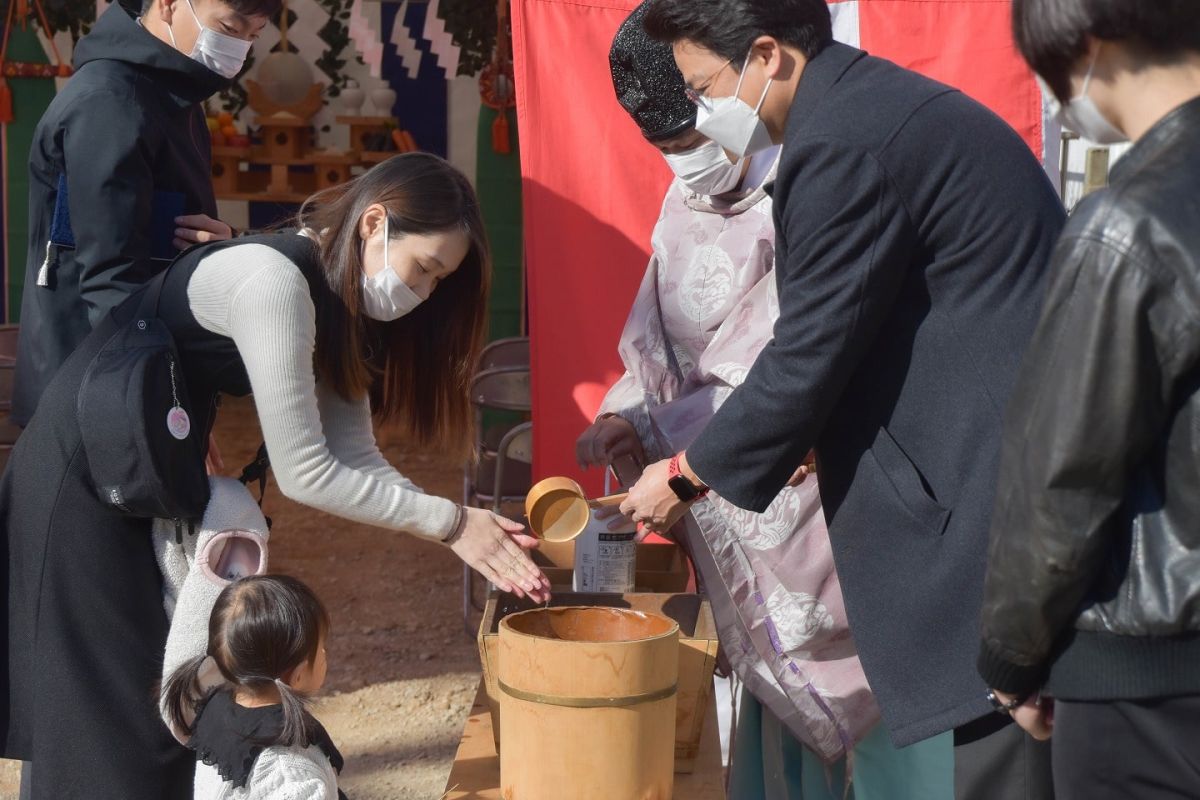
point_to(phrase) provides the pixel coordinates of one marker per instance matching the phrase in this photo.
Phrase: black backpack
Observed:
(145, 455)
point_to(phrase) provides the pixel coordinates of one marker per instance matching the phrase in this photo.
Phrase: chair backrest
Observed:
(517, 445)
(503, 388)
(510, 352)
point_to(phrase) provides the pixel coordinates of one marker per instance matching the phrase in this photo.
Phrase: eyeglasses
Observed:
(695, 96)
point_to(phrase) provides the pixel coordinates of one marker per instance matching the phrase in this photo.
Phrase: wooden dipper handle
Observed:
(609, 500)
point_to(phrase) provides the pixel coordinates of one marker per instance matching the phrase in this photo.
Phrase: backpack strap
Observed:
(256, 470)
(148, 306)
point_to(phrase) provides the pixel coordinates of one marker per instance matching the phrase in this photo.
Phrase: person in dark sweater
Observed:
(913, 233)
(120, 169)
(1093, 583)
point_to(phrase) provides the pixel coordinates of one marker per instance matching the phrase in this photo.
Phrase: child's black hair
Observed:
(261, 628)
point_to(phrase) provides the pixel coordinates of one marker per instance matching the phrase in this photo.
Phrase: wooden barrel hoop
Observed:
(589, 702)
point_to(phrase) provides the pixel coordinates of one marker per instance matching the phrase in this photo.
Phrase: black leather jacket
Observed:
(1093, 582)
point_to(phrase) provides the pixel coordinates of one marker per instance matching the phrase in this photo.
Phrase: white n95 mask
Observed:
(385, 296)
(732, 123)
(705, 169)
(220, 52)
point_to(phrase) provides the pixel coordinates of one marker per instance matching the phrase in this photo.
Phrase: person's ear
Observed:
(294, 675)
(769, 50)
(166, 10)
(371, 221)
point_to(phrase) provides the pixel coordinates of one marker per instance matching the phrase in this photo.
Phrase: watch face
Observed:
(683, 488)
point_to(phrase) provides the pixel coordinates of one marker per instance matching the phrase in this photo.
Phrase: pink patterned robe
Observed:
(706, 307)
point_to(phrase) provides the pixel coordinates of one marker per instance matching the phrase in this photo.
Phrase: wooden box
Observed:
(8, 368)
(284, 138)
(364, 131)
(661, 567)
(697, 654)
(226, 168)
(8, 340)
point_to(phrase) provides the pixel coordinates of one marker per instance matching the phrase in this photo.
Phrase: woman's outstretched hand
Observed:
(495, 547)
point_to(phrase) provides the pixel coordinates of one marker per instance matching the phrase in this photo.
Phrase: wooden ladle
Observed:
(558, 509)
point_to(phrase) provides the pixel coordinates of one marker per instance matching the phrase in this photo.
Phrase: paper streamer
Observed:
(441, 43)
(405, 43)
(362, 33)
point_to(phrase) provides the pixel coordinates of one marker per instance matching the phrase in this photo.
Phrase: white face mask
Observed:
(1081, 115)
(732, 123)
(220, 52)
(385, 296)
(705, 169)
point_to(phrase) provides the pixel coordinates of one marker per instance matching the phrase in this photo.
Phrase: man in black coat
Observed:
(120, 169)
(913, 232)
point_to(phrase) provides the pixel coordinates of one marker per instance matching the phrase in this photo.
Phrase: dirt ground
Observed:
(402, 670)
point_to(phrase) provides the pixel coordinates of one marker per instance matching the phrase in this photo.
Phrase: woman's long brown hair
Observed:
(417, 369)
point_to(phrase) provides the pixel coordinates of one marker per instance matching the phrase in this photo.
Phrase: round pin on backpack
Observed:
(178, 423)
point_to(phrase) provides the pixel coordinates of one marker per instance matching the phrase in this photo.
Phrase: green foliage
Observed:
(472, 24)
(336, 35)
(75, 16)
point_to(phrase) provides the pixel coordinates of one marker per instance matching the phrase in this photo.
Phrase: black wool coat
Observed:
(914, 228)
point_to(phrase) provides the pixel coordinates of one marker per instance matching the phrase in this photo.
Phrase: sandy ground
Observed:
(402, 671)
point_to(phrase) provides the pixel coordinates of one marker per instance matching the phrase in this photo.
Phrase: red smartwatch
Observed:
(681, 485)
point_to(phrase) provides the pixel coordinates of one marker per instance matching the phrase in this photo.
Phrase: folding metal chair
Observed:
(485, 483)
(510, 352)
(514, 449)
(497, 389)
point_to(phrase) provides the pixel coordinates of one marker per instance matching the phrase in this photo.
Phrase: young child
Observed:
(253, 735)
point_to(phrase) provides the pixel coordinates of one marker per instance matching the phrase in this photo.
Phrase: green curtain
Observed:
(31, 96)
(498, 181)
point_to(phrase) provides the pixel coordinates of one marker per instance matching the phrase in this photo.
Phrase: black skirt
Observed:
(86, 626)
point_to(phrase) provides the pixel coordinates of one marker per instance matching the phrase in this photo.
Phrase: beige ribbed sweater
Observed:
(322, 448)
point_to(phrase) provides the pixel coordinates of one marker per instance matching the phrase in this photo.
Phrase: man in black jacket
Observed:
(1093, 584)
(913, 231)
(120, 169)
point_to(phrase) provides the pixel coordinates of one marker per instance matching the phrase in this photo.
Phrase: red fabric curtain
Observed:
(592, 190)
